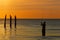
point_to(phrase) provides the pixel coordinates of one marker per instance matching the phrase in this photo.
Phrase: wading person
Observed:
(43, 24)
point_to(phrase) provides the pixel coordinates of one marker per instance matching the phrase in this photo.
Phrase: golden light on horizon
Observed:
(5, 8)
(30, 8)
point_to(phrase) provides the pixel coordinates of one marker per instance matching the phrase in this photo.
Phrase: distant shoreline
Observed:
(30, 19)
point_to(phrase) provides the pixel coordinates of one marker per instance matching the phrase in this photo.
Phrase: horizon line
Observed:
(34, 18)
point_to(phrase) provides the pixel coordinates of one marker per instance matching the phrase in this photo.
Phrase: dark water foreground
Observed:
(30, 30)
(25, 34)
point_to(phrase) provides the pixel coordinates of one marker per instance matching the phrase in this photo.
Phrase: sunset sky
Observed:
(30, 8)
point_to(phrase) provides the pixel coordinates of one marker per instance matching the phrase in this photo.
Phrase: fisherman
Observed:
(43, 24)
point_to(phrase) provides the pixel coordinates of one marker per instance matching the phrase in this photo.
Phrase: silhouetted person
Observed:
(43, 24)
(5, 22)
(15, 22)
(10, 22)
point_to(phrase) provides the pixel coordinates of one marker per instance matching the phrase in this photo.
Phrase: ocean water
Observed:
(30, 29)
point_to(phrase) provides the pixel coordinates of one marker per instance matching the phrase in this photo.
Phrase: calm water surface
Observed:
(30, 30)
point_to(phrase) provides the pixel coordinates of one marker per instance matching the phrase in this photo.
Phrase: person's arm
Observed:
(41, 23)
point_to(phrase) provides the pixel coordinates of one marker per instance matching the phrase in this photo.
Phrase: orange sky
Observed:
(30, 8)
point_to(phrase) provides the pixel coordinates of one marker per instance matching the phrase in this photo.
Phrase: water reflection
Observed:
(21, 33)
(9, 34)
(24, 33)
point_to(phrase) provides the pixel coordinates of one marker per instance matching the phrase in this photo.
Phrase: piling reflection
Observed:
(9, 31)
(9, 34)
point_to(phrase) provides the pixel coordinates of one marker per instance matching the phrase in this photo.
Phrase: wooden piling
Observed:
(15, 22)
(10, 22)
(5, 22)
